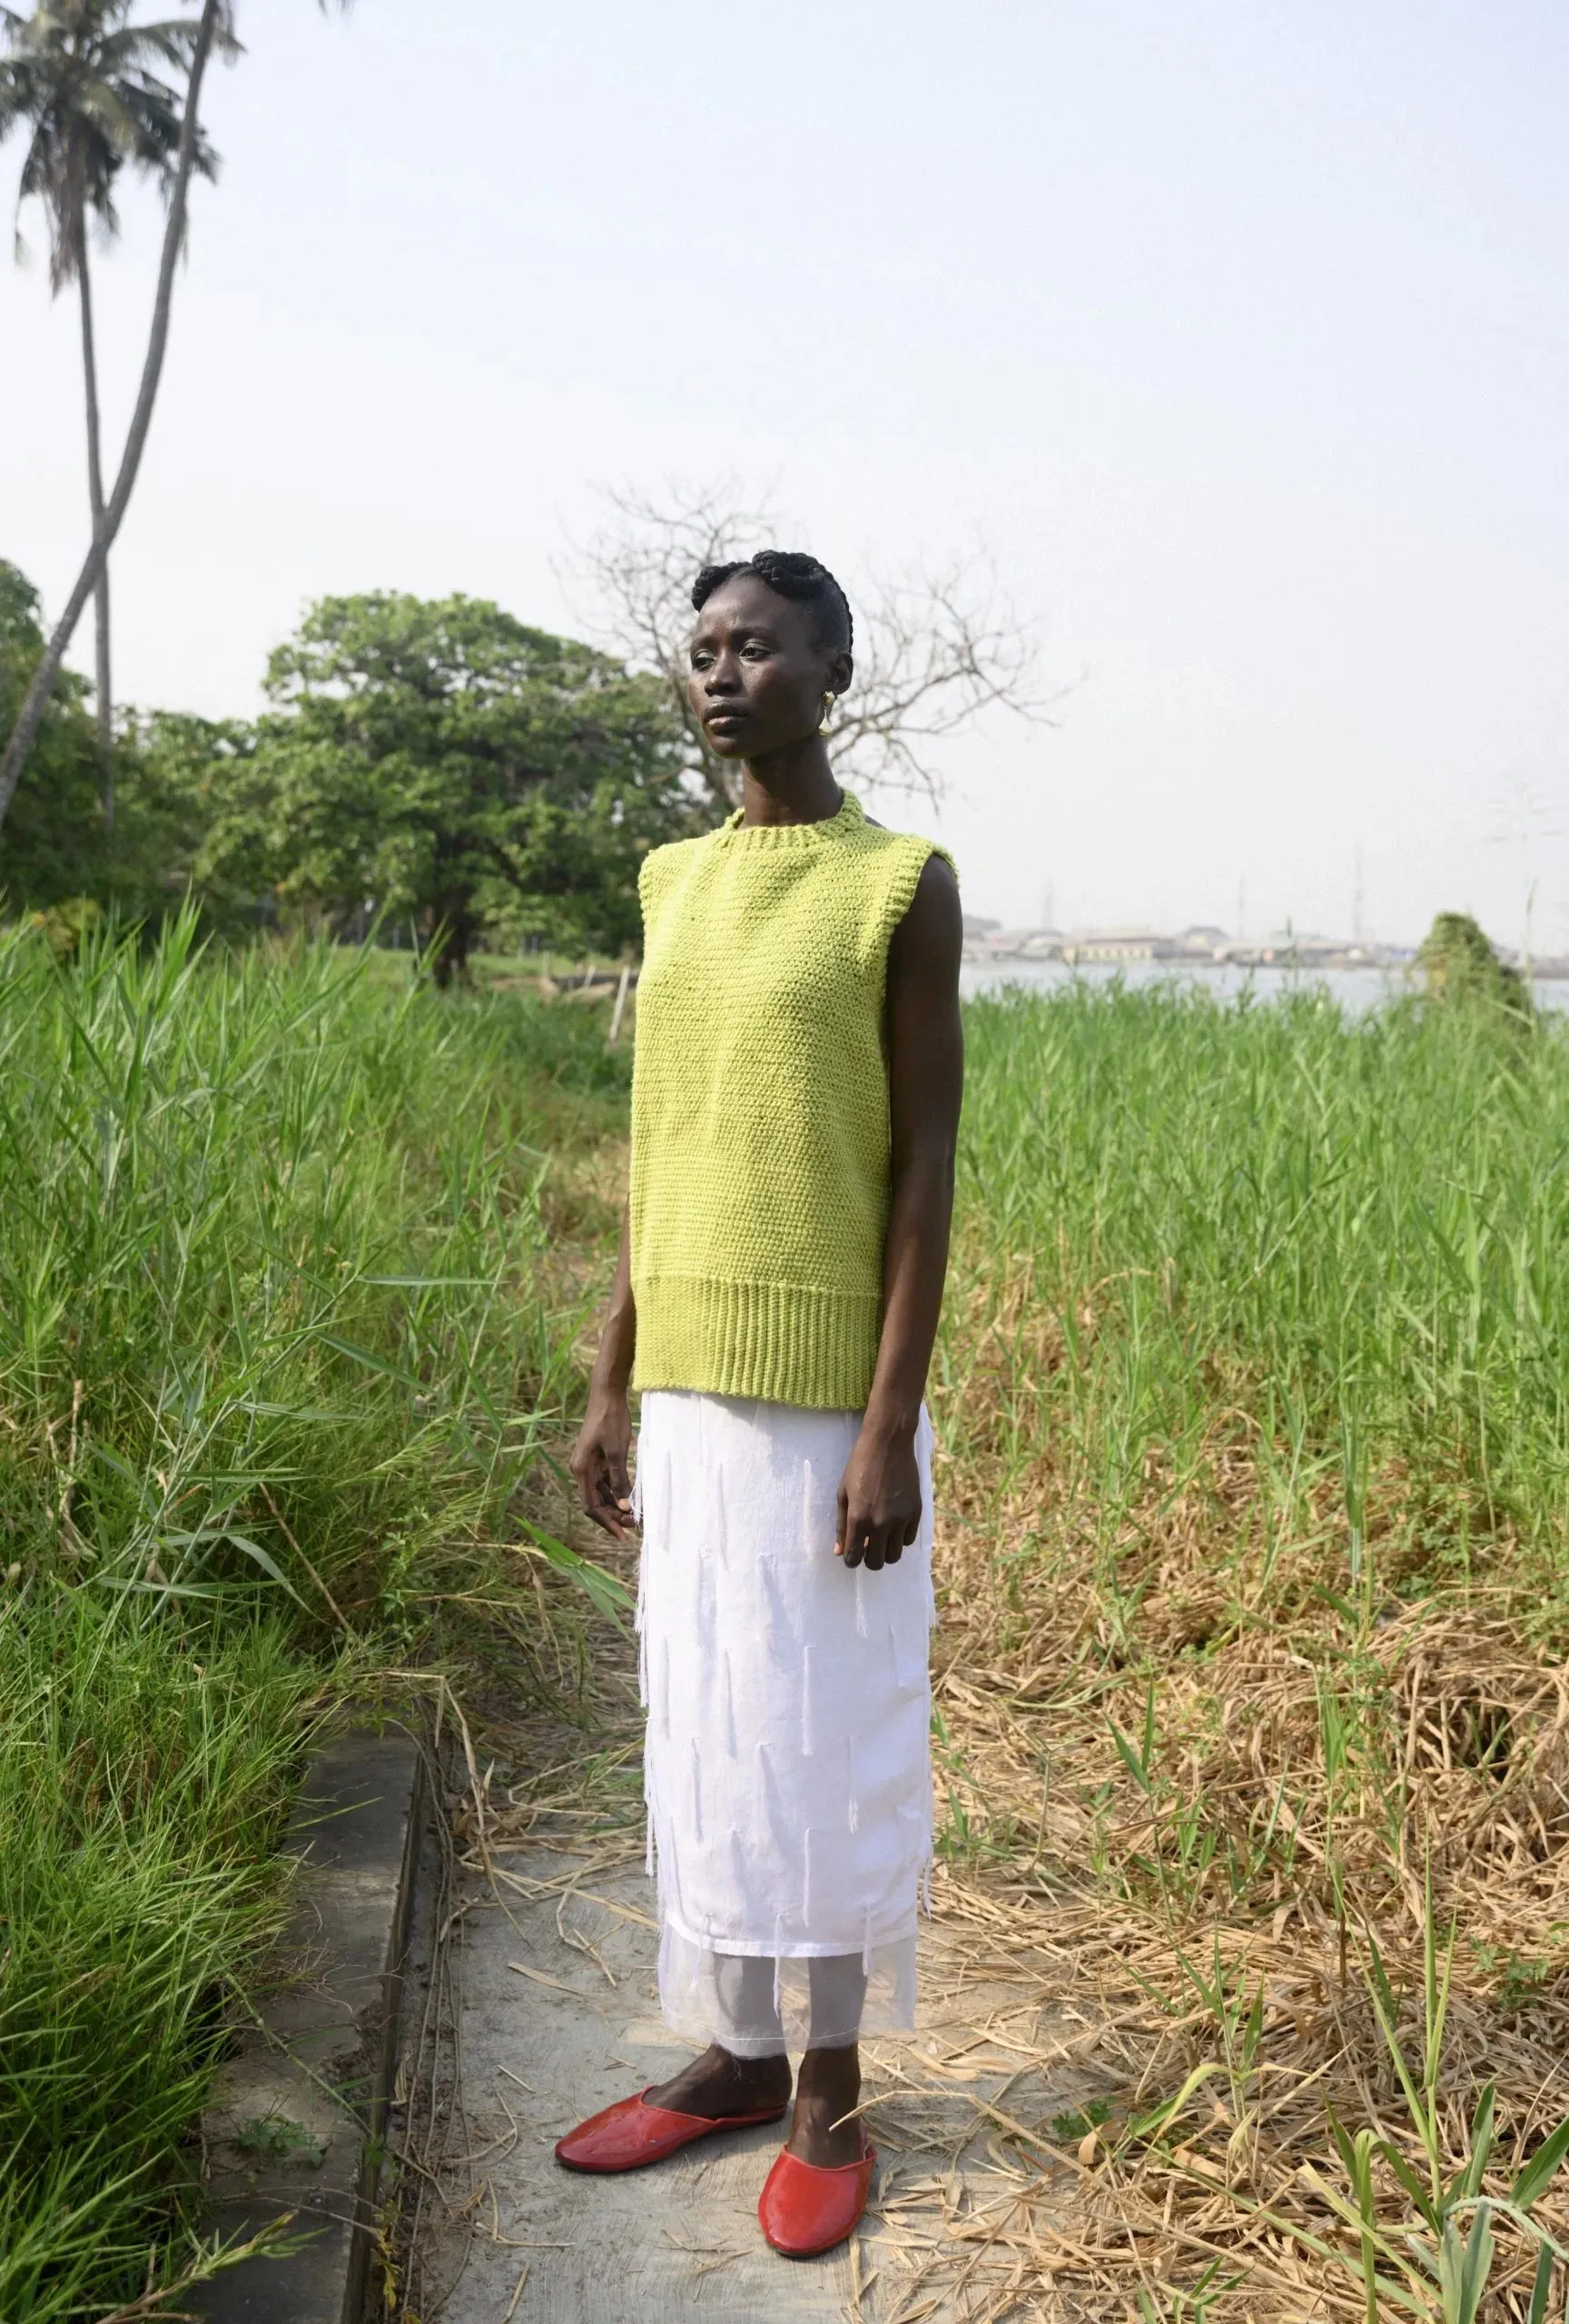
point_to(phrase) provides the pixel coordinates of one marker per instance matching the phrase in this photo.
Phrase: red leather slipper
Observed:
(805, 2208)
(631, 2134)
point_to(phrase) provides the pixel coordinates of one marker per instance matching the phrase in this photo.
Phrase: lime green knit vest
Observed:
(760, 1107)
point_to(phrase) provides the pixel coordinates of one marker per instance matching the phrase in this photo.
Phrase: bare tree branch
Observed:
(932, 650)
(635, 576)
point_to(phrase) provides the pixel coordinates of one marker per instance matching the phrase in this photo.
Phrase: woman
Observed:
(796, 1100)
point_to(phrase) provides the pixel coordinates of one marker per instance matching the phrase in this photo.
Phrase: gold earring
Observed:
(828, 702)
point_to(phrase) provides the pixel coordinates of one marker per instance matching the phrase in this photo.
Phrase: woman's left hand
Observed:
(879, 1498)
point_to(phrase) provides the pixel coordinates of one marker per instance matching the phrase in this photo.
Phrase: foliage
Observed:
(180, 775)
(52, 844)
(280, 1346)
(1459, 967)
(442, 764)
(84, 86)
(83, 83)
(142, 1770)
(171, 774)
(443, 761)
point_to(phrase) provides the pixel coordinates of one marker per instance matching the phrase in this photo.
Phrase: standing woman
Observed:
(795, 1105)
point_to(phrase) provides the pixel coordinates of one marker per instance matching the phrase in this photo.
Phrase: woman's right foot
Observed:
(718, 2084)
(716, 2092)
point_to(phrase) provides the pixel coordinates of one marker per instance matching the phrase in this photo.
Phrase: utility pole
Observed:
(1357, 931)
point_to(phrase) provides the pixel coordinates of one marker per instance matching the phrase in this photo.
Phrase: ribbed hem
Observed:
(785, 1342)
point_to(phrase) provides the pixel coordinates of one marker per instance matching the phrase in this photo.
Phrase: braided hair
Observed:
(789, 574)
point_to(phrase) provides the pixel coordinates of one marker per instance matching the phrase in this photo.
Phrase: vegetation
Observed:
(433, 764)
(1255, 1397)
(933, 649)
(57, 856)
(453, 766)
(54, 839)
(61, 47)
(1460, 968)
(1255, 1413)
(281, 1343)
(83, 83)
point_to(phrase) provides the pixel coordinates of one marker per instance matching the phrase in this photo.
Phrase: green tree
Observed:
(442, 762)
(171, 771)
(178, 775)
(53, 846)
(83, 83)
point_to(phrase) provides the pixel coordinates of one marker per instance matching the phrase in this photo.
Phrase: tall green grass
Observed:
(1255, 1385)
(278, 1354)
(283, 1338)
(1355, 1229)
(140, 1779)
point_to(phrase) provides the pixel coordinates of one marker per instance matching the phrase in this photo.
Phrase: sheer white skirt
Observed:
(787, 1770)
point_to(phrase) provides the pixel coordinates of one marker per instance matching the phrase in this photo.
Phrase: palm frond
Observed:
(92, 87)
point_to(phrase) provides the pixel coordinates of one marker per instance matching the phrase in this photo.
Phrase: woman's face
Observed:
(758, 671)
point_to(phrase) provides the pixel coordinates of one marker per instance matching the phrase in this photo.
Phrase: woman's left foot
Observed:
(804, 2209)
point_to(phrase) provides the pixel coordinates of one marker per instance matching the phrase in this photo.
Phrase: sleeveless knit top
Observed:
(760, 1170)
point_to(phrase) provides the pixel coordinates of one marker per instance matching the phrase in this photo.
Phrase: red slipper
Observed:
(631, 2134)
(805, 2208)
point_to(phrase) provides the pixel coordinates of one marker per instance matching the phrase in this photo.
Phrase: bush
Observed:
(1460, 968)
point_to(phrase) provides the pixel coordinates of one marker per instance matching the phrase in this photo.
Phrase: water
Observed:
(1355, 990)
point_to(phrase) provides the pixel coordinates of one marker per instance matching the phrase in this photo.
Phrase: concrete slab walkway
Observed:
(559, 2016)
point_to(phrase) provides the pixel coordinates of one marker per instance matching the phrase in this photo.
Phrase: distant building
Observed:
(1111, 945)
(1200, 944)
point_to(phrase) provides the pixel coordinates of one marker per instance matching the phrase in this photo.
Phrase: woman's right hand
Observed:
(599, 1461)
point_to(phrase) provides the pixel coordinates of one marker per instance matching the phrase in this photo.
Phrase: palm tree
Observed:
(214, 29)
(83, 83)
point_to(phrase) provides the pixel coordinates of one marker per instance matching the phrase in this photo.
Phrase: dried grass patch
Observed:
(1190, 1782)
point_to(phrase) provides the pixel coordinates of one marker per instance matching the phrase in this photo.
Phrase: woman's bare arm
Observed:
(879, 1494)
(599, 1457)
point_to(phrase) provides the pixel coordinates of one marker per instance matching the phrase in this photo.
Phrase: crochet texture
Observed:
(760, 1179)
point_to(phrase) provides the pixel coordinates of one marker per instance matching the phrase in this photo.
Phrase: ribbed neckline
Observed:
(845, 816)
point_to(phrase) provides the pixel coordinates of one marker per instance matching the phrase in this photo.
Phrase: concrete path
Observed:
(557, 2017)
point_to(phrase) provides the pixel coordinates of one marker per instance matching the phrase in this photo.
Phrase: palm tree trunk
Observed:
(36, 698)
(104, 698)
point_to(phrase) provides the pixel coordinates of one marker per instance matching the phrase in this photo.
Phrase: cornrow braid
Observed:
(789, 573)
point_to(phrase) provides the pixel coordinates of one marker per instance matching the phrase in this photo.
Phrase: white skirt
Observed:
(787, 1767)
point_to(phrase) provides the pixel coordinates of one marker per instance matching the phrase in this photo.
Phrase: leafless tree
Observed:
(932, 650)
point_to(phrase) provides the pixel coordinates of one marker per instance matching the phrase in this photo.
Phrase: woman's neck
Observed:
(795, 785)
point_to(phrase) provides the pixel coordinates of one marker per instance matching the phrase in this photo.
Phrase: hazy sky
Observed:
(1238, 330)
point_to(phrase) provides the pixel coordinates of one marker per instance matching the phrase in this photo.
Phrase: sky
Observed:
(1234, 332)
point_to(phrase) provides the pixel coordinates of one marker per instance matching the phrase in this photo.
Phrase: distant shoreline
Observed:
(1295, 955)
(1357, 988)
